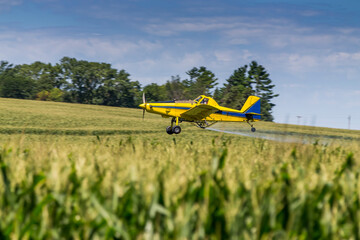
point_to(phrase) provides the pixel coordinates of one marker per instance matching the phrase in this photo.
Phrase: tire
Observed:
(253, 129)
(169, 130)
(176, 129)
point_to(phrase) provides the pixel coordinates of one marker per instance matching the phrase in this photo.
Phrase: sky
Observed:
(310, 48)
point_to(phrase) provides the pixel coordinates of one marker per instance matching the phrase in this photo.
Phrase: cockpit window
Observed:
(198, 99)
(205, 101)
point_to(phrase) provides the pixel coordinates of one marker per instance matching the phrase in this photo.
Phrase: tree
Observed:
(201, 82)
(55, 95)
(5, 66)
(237, 89)
(246, 81)
(84, 78)
(15, 86)
(175, 88)
(155, 93)
(263, 88)
(218, 94)
(46, 78)
(120, 91)
(35, 72)
(43, 95)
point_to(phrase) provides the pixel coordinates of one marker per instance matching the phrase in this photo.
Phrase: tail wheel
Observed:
(169, 130)
(253, 129)
(176, 129)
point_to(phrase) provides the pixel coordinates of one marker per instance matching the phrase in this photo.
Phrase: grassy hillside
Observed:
(93, 172)
(73, 119)
(51, 118)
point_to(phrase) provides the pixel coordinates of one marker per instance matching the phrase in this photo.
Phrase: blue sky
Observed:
(310, 48)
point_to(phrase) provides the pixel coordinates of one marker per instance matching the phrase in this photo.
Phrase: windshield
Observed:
(198, 99)
(205, 101)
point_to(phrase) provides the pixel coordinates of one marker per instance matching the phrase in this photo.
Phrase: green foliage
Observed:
(14, 86)
(44, 76)
(120, 91)
(175, 88)
(155, 93)
(201, 82)
(246, 81)
(42, 96)
(236, 90)
(263, 89)
(4, 66)
(56, 95)
(85, 77)
(72, 81)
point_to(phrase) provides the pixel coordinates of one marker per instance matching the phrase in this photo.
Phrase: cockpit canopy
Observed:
(198, 98)
(202, 99)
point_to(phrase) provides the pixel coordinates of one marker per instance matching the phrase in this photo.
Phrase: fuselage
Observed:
(176, 108)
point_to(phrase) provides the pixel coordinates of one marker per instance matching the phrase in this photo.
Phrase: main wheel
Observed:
(253, 129)
(176, 129)
(169, 130)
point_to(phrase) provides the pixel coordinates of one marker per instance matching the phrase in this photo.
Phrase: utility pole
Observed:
(349, 121)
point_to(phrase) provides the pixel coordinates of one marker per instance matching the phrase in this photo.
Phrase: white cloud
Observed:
(280, 46)
(310, 13)
(343, 64)
(181, 25)
(293, 85)
(294, 62)
(22, 47)
(144, 60)
(355, 92)
(192, 59)
(231, 56)
(274, 34)
(10, 2)
(6, 4)
(224, 56)
(347, 30)
(343, 59)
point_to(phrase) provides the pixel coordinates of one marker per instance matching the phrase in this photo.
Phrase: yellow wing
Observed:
(199, 112)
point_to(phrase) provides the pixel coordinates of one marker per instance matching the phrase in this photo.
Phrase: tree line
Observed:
(80, 81)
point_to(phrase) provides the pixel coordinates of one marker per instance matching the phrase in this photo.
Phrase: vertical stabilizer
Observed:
(252, 105)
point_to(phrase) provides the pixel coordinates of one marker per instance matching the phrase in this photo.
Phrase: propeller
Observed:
(144, 102)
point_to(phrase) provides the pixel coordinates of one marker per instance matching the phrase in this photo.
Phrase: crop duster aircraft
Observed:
(203, 112)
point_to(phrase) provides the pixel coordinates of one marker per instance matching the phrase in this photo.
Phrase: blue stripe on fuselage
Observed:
(231, 114)
(243, 115)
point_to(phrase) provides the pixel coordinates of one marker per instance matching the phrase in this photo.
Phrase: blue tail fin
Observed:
(252, 107)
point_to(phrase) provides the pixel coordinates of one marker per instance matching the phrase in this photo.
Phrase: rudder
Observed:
(251, 106)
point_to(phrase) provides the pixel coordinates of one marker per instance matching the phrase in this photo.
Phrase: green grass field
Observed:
(71, 171)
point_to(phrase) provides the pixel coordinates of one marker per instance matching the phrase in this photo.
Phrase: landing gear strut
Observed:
(174, 129)
(252, 126)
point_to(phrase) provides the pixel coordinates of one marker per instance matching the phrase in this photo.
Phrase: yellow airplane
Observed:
(202, 112)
